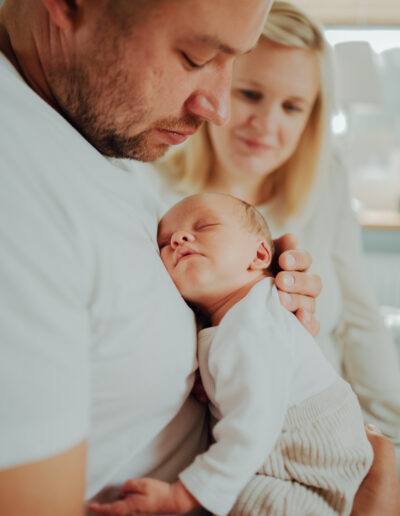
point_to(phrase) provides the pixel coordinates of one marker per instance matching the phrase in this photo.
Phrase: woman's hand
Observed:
(378, 494)
(297, 289)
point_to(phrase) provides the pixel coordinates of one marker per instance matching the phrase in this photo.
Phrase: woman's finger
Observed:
(308, 285)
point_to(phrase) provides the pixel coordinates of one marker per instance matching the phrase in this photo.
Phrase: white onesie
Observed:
(269, 384)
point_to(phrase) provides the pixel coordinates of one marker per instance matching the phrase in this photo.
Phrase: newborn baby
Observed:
(288, 435)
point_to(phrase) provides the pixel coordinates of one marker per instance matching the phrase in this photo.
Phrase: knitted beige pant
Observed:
(318, 462)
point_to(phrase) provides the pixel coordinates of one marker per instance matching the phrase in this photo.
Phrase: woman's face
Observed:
(273, 92)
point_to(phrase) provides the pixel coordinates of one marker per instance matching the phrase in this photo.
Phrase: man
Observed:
(86, 305)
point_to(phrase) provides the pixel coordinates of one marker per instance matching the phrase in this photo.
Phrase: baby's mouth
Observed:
(184, 252)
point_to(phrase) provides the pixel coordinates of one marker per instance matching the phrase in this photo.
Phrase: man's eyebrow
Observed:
(215, 42)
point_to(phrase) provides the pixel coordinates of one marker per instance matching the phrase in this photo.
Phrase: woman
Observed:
(275, 153)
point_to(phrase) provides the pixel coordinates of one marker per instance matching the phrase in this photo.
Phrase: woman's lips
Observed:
(172, 137)
(254, 145)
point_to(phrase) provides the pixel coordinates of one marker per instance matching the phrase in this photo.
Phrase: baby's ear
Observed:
(263, 257)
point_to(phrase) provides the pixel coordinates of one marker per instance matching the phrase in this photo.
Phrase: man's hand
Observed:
(148, 496)
(297, 289)
(378, 494)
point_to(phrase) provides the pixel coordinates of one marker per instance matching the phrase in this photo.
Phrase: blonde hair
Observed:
(256, 223)
(192, 164)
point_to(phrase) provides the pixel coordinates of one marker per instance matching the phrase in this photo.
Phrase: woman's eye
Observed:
(292, 108)
(191, 63)
(250, 94)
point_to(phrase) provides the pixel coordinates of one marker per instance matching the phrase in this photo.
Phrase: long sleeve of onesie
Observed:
(246, 371)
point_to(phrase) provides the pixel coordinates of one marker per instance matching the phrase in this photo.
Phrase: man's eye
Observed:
(250, 94)
(191, 63)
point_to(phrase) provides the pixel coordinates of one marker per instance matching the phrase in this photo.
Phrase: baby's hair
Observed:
(256, 223)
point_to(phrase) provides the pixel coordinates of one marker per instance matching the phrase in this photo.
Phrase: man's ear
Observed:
(63, 13)
(263, 257)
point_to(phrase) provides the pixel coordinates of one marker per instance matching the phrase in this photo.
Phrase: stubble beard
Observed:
(93, 98)
(90, 102)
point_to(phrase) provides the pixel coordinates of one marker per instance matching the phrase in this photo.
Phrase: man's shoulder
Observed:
(30, 128)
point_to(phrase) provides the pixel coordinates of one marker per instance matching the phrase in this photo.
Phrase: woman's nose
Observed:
(266, 119)
(180, 237)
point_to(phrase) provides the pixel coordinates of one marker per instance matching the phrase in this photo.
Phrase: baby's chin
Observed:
(194, 293)
(192, 281)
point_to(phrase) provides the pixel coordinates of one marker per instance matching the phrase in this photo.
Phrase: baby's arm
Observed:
(251, 372)
(250, 368)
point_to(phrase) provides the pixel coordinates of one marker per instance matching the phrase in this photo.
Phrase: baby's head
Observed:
(213, 245)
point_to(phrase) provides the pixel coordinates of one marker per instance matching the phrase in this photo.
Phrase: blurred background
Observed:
(365, 37)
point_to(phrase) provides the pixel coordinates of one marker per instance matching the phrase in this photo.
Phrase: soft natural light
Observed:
(339, 123)
(379, 39)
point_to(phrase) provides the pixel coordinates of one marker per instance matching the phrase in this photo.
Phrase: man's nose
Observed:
(212, 102)
(180, 237)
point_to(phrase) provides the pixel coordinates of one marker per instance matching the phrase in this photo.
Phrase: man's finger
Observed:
(299, 283)
(305, 316)
(299, 260)
(286, 242)
(309, 322)
(294, 302)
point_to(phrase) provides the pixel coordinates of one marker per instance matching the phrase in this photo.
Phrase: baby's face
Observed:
(206, 247)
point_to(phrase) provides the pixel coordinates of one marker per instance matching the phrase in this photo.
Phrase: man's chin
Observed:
(138, 153)
(148, 155)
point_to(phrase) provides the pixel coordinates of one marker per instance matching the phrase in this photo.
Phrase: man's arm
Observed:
(298, 290)
(54, 486)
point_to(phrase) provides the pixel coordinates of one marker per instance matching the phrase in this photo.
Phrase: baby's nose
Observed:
(180, 237)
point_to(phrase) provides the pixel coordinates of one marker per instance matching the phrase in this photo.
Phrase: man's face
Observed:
(206, 247)
(133, 91)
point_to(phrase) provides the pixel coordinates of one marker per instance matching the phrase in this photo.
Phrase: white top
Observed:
(352, 334)
(256, 364)
(95, 339)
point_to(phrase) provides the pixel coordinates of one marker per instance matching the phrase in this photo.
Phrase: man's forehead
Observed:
(231, 26)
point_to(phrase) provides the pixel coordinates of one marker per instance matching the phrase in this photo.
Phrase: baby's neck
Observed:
(218, 309)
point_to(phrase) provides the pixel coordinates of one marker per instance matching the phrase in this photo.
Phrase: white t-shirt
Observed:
(96, 341)
(255, 365)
